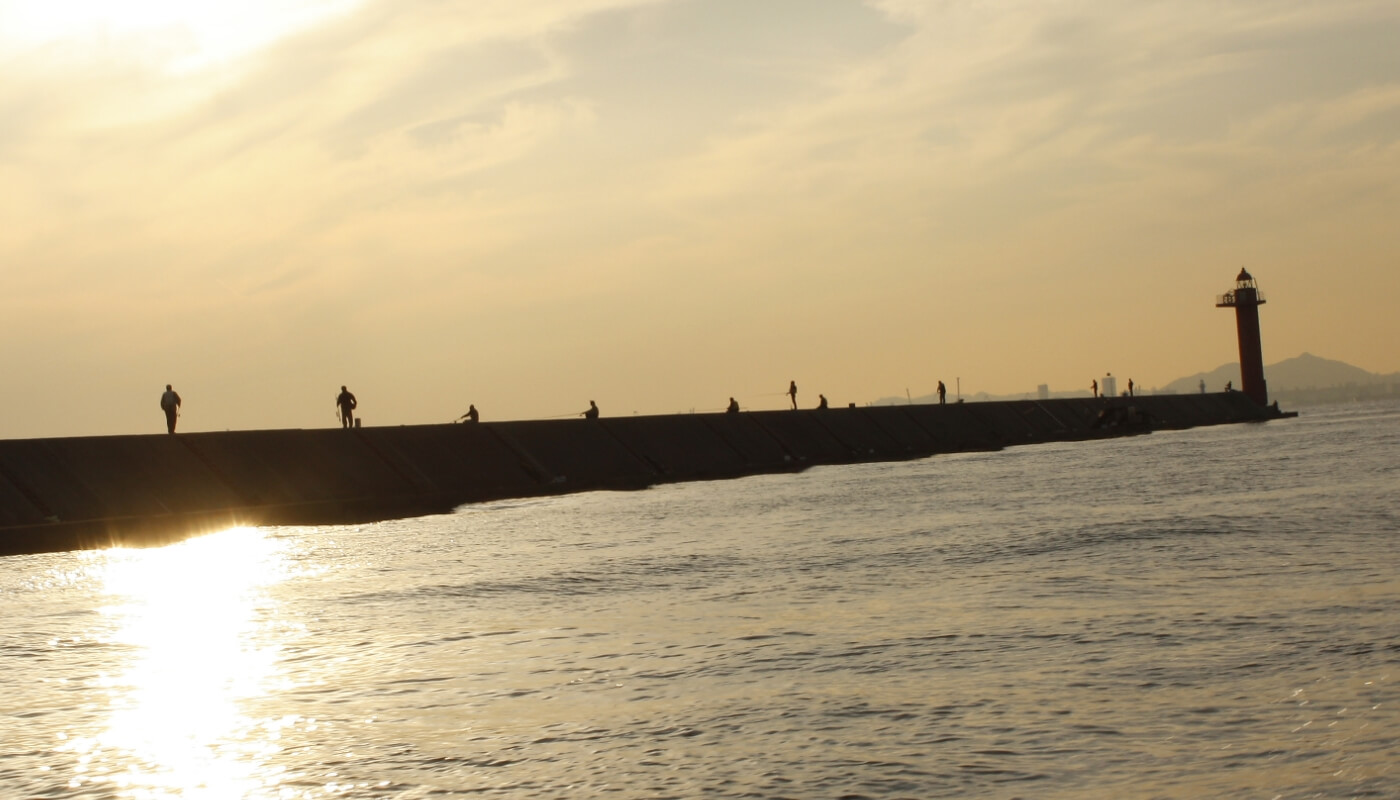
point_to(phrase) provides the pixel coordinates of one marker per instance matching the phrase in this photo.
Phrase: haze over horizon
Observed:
(658, 204)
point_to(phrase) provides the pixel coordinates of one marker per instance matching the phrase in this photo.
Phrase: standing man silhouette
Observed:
(346, 404)
(792, 392)
(170, 404)
(942, 394)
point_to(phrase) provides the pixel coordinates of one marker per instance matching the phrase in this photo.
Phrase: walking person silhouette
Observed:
(170, 404)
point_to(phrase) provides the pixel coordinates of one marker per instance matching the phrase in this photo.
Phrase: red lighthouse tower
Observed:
(1246, 298)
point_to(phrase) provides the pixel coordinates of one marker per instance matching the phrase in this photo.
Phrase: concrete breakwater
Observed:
(90, 492)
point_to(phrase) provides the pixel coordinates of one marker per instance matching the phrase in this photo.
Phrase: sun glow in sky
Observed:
(190, 35)
(659, 204)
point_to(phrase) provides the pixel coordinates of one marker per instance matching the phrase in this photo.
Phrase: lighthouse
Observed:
(1246, 298)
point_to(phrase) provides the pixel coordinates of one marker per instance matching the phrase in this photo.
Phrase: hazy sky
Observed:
(528, 204)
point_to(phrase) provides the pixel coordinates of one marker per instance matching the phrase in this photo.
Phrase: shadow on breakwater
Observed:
(92, 492)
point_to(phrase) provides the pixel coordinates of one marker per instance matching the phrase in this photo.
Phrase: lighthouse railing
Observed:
(1228, 299)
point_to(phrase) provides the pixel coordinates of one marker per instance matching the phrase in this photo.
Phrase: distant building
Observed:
(1043, 390)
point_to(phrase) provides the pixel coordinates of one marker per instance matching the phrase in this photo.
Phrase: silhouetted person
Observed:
(1130, 387)
(821, 404)
(1203, 385)
(942, 393)
(170, 404)
(733, 407)
(471, 415)
(1094, 387)
(345, 402)
(1229, 386)
(592, 412)
(792, 392)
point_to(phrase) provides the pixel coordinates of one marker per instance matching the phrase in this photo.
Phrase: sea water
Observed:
(1205, 613)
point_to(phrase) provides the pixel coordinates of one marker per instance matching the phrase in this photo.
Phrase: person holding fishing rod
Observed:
(345, 405)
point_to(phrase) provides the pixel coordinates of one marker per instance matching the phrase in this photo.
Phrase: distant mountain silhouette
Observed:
(1306, 371)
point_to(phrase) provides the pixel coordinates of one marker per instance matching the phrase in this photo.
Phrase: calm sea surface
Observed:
(1208, 613)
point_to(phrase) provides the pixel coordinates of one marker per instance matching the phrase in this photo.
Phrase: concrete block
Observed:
(855, 429)
(465, 462)
(114, 476)
(578, 455)
(759, 450)
(898, 424)
(680, 447)
(804, 437)
(298, 466)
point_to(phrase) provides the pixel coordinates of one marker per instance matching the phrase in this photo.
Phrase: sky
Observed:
(659, 204)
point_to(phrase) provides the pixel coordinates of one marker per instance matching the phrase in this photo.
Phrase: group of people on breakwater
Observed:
(821, 398)
(1110, 384)
(346, 404)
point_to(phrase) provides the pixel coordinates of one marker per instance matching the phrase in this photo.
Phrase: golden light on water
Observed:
(195, 616)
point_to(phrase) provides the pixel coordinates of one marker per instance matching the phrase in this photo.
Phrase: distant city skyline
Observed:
(659, 204)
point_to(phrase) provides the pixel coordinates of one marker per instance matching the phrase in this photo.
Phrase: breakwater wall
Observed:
(90, 492)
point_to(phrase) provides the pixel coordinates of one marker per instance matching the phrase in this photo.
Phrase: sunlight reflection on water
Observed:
(192, 616)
